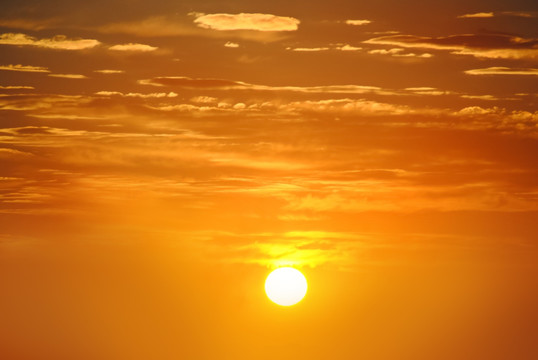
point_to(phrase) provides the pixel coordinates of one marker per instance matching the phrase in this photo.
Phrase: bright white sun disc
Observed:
(285, 286)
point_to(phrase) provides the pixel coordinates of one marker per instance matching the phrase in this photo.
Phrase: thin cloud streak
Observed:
(499, 70)
(59, 42)
(481, 46)
(25, 68)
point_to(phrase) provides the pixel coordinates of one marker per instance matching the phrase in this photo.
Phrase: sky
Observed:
(159, 159)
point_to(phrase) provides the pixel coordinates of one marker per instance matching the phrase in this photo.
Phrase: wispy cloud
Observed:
(137, 95)
(230, 44)
(477, 45)
(207, 83)
(16, 87)
(108, 71)
(502, 71)
(477, 15)
(338, 47)
(69, 76)
(523, 14)
(347, 47)
(398, 52)
(59, 42)
(24, 68)
(133, 47)
(174, 25)
(246, 21)
(305, 49)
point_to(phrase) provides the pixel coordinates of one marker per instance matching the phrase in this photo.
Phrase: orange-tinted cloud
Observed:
(477, 15)
(246, 21)
(16, 87)
(482, 46)
(69, 76)
(500, 70)
(398, 52)
(109, 71)
(339, 47)
(186, 82)
(357, 22)
(24, 68)
(523, 14)
(133, 47)
(59, 42)
(137, 95)
(305, 49)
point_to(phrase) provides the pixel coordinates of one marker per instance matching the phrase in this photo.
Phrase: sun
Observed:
(285, 286)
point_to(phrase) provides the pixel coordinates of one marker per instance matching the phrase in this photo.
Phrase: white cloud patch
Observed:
(246, 21)
(59, 42)
(133, 47)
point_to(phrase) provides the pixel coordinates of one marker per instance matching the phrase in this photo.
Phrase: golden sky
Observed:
(159, 158)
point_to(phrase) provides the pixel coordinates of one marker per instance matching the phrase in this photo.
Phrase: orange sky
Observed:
(158, 159)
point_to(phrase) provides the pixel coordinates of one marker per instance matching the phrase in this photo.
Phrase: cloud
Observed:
(481, 45)
(354, 106)
(348, 47)
(26, 102)
(16, 87)
(344, 106)
(245, 21)
(204, 99)
(133, 47)
(385, 51)
(482, 97)
(59, 42)
(501, 71)
(29, 24)
(230, 44)
(187, 82)
(7, 152)
(426, 90)
(207, 83)
(106, 71)
(137, 95)
(523, 14)
(339, 47)
(303, 49)
(397, 52)
(24, 68)
(165, 26)
(358, 22)
(477, 15)
(69, 76)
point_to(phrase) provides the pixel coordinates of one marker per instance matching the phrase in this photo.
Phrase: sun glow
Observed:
(285, 286)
